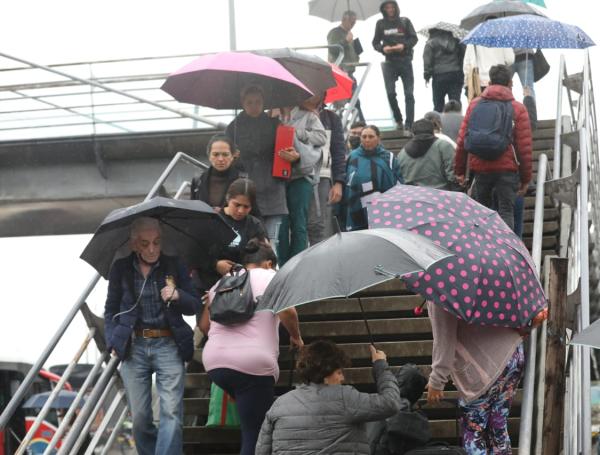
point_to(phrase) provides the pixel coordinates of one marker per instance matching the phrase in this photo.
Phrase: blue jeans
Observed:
(293, 237)
(253, 396)
(160, 356)
(272, 225)
(524, 69)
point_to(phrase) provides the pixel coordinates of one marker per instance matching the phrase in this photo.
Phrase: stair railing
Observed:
(580, 191)
(107, 380)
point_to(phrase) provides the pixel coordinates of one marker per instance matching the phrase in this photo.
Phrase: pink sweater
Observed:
(251, 347)
(473, 355)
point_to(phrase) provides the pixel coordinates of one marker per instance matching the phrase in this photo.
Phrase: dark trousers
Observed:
(392, 70)
(504, 185)
(446, 84)
(253, 396)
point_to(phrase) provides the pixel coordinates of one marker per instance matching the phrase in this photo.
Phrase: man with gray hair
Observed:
(342, 36)
(148, 292)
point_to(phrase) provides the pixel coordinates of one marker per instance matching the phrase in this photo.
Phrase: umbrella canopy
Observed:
(189, 228)
(528, 31)
(350, 262)
(62, 401)
(498, 8)
(332, 10)
(590, 336)
(457, 32)
(314, 72)
(343, 86)
(489, 280)
(216, 81)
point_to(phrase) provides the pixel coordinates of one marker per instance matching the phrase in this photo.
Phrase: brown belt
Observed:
(153, 333)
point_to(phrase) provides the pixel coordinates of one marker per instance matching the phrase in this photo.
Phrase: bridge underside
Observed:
(68, 185)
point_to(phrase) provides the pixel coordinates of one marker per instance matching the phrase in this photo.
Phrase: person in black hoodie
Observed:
(395, 38)
(443, 62)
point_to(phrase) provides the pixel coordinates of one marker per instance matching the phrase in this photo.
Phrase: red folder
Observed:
(284, 138)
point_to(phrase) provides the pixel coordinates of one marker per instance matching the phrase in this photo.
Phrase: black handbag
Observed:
(233, 302)
(540, 65)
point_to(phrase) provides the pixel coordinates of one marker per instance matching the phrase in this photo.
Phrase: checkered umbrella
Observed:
(457, 32)
(490, 280)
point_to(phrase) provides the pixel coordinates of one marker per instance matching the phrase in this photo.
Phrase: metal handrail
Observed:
(526, 421)
(114, 90)
(27, 382)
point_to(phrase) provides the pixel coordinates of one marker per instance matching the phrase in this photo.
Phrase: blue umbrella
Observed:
(62, 401)
(528, 31)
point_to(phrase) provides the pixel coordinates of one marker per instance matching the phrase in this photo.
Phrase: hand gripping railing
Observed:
(78, 430)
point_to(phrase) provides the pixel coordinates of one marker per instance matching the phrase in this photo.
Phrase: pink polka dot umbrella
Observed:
(490, 280)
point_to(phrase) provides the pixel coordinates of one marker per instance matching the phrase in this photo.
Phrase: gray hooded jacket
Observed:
(328, 419)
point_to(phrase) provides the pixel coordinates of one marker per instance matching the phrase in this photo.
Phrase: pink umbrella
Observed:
(490, 279)
(216, 80)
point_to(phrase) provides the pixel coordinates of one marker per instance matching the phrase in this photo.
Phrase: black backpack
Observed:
(233, 302)
(490, 129)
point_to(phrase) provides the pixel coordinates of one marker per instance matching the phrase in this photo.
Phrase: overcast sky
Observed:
(42, 277)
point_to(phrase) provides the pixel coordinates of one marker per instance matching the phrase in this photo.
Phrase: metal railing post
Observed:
(54, 394)
(526, 423)
(558, 123)
(62, 429)
(15, 401)
(115, 432)
(179, 156)
(98, 392)
(105, 421)
(586, 415)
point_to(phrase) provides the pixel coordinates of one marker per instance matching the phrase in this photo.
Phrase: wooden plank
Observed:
(550, 227)
(555, 356)
(387, 304)
(399, 327)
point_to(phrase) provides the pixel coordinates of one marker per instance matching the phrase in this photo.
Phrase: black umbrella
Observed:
(62, 401)
(347, 263)
(189, 230)
(497, 8)
(314, 72)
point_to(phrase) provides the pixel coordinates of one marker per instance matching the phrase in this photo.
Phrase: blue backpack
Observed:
(490, 129)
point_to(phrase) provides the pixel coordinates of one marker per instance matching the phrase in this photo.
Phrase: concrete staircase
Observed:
(389, 311)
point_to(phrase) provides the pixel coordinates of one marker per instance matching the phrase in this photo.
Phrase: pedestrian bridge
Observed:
(65, 184)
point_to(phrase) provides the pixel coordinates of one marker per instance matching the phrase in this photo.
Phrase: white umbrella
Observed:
(457, 32)
(332, 10)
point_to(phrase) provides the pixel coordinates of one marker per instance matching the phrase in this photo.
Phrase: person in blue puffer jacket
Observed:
(370, 168)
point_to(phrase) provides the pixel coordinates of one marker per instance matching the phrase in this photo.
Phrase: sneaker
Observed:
(400, 126)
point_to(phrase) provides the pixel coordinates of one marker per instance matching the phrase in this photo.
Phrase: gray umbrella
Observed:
(189, 230)
(590, 336)
(457, 32)
(332, 10)
(314, 72)
(498, 8)
(347, 263)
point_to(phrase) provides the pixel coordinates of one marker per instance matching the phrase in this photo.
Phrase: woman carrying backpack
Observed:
(370, 168)
(242, 358)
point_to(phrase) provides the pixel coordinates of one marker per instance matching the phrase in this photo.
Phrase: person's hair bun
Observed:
(252, 246)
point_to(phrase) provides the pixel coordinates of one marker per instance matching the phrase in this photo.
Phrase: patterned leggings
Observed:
(484, 421)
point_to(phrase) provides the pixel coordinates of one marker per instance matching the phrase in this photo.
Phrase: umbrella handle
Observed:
(366, 323)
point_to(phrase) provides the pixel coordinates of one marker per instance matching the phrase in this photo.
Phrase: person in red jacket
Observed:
(509, 175)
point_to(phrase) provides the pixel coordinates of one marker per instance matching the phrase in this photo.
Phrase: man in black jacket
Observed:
(395, 38)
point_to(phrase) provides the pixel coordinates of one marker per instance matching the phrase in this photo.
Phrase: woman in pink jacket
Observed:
(486, 366)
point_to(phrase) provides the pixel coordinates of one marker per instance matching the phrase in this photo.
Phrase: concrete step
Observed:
(350, 308)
